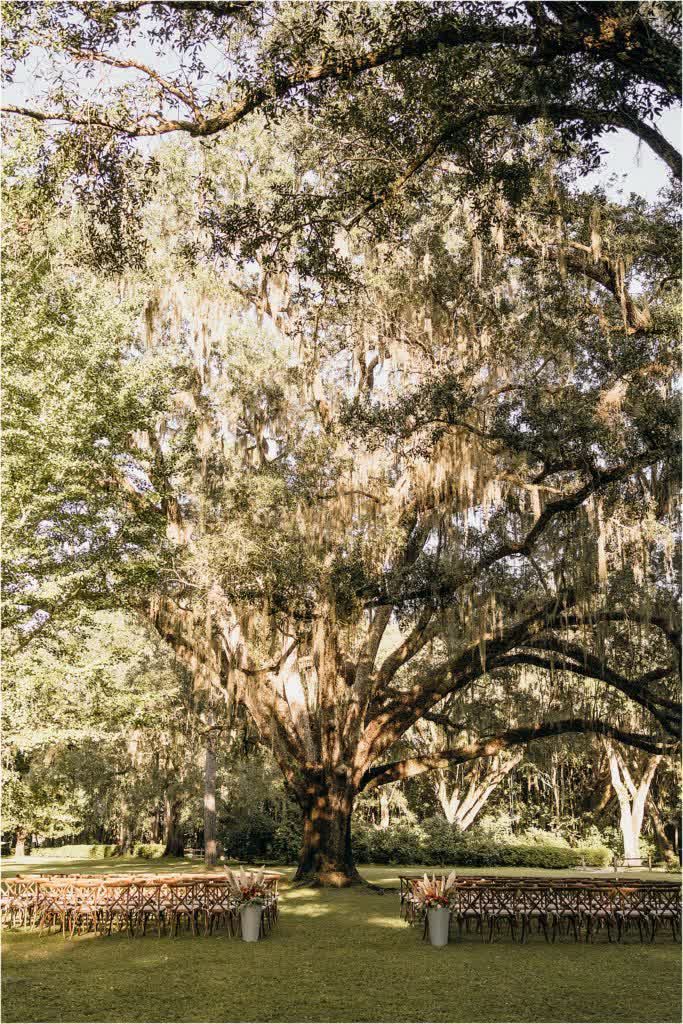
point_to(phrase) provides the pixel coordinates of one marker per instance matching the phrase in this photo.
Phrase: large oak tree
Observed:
(422, 384)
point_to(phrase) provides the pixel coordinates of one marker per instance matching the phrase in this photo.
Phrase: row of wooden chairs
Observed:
(102, 905)
(559, 909)
(408, 883)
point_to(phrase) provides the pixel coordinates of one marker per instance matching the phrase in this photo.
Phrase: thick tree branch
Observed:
(660, 620)
(391, 713)
(632, 46)
(561, 506)
(636, 690)
(457, 131)
(397, 771)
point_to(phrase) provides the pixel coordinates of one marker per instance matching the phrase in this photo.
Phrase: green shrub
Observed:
(595, 856)
(286, 842)
(442, 842)
(401, 843)
(544, 837)
(261, 837)
(362, 843)
(435, 843)
(86, 851)
(150, 851)
(77, 851)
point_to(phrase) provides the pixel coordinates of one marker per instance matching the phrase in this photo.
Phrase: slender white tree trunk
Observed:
(384, 811)
(632, 796)
(461, 807)
(210, 850)
(20, 845)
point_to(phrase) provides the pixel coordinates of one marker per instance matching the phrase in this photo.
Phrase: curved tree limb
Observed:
(409, 767)
(631, 43)
(665, 712)
(456, 131)
(600, 479)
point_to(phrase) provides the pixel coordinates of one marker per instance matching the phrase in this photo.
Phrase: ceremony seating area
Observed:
(580, 908)
(200, 904)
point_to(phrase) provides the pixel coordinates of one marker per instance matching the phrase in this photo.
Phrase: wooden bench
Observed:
(631, 862)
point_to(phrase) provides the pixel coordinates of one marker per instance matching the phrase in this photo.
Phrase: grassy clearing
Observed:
(335, 956)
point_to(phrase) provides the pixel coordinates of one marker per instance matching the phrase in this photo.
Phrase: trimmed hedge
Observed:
(85, 851)
(532, 855)
(80, 851)
(435, 842)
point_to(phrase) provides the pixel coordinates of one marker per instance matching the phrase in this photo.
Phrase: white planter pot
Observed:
(251, 923)
(438, 918)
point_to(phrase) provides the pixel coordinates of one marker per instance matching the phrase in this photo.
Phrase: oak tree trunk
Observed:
(326, 857)
(156, 824)
(173, 837)
(384, 811)
(632, 794)
(125, 841)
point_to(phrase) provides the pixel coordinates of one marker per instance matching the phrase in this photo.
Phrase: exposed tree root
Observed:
(333, 880)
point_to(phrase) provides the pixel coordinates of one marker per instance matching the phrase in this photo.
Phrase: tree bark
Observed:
(210, 850)
(173, 837)
(20, 845)
(156, 824)
(326, 857)
(460, 807)
(125, 841)
(632, 797)
(384, 810)
(664, 844)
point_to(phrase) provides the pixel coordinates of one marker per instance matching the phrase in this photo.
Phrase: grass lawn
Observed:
(334, 956)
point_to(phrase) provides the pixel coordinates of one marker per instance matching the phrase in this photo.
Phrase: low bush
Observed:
(435, 842)
(400, 843)
(261, 838)
(442, 842)
(286, 842)
(150, 851)
(87, 851)
(362, 836)
(77, 851)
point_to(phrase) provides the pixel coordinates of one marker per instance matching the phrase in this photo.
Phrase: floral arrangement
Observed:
(247, 887)
(251, 896)
(435, 892)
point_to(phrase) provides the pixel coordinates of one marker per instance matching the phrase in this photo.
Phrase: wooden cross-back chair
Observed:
(584, 907)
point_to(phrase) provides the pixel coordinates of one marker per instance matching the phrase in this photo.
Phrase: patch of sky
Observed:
(628, 166)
